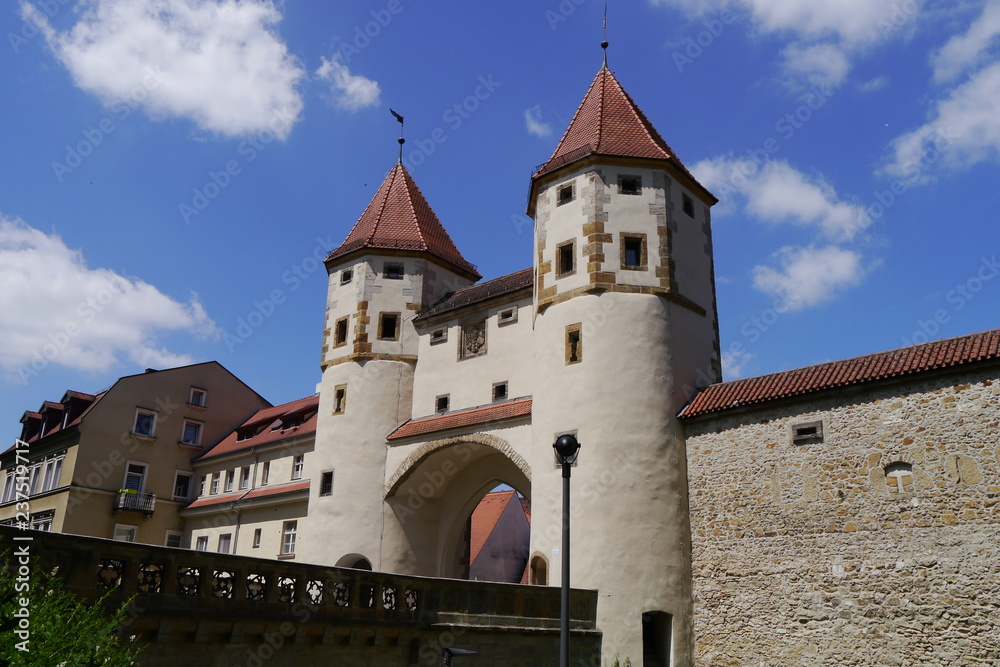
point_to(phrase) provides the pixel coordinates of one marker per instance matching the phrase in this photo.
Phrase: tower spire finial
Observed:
(604, 44)
(401, 139)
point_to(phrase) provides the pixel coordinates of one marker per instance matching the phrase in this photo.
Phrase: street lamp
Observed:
(450, 652)
(567, 449)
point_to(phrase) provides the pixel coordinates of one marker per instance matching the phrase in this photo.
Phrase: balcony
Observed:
(135, 502)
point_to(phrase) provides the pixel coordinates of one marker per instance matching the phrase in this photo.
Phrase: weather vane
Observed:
(604, 44)
(401, 139)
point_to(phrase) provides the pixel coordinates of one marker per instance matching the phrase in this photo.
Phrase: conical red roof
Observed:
(608, 122)
(399, 218)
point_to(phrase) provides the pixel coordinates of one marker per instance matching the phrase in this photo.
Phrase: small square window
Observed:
(198, 397)
(439, 336)
(265, 473)
(172, 538)
(388, 326)
(574, 344)
(256, 538)
(340, 331)
(810, 433)
(191, 435)
(201, 544)
(145, 423)
(298, 465)
(393, 271)
(633, 252)
(339, 399)
(565, 258)
(629, 185)
(326, 483)
(565, 194)
(687, 204)
(507, 316)
(441, 403)
(346, 276)
(500, 391)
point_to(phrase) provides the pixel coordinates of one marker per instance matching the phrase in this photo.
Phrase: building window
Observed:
(340, 331)
(135, 477)
(36, 478)
(288, 530)
(441, 403)
(265, 473)
(53, 470)
(346, 276)
(507, 316)
(245, 477)
(473, 343)
(198, 397)
(539, 571)
(225, 543)
(215, 482)
(439, 336)
(256, 538)
(687, 204)
(191, 434)
(565, 194)
(298, 464)
(500, 391)
(230, 476)
(629, 185)
(326, 483)
(633, 252)
(43, 521)
(339, 399)
(565, 258)
(8, 488)
(201, 544)
(124, 533)
(810, 433)
(899, 477)
(392, 271)
(145, 423)
(172, 538)
(182, 486)
(388, 326)
(574, 344)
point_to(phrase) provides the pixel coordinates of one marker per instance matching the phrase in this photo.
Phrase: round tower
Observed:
(396, 260)
(625, 329)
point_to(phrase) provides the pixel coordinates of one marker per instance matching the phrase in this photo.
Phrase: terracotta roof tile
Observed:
(265, 419)
(260, 492)
(931, 356)
(480, 292)
(485, 518)
(216, 500)
(399, 218)
(461, 418)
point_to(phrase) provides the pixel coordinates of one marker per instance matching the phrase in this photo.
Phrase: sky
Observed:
(177, 169)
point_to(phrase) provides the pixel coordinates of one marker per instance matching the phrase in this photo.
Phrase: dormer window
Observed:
(565, 194)
(393, 271)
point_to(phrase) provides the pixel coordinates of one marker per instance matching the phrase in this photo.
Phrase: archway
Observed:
(433, 495)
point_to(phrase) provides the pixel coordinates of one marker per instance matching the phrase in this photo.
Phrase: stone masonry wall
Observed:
(803, 554)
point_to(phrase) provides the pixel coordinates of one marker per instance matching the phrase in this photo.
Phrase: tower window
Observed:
(441, 403)
(340, 332)
(633, 252)
(565, 258)
(507, 316)
(256, 538)
(500, 391)
(565, 194)
(574, 344)
(388, 326)
(439, 336)
(339, 399)
(687, 204)
(326, 483)
(345, 276)
(393, 271)
(629, 185)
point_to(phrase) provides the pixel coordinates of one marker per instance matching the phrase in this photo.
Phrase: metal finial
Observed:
(401, 139)
(604, 44)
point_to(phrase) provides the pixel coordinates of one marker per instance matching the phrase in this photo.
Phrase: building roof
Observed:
(902, 362)
(609, 122)
(491, 289)
(399, 218)
(259, 492)
(270, 426)
(520, 407)
(485, 518)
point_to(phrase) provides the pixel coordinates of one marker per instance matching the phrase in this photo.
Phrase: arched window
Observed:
(539, 571)
(899, 477)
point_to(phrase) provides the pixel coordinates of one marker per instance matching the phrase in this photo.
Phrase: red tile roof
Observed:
(399, 218)
(485, 518)
(461, 418)
(905, 361)
(491, 289)
(265, 419)
(260, 492)
(609, 122)
(216, 500)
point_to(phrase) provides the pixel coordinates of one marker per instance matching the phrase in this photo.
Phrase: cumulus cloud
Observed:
(218, 63)
(348, 91)
(777, 193)
(805, 277)
(962, 52)
(735, 363)
(963, 129)
(821, 65)
(57, 310)
(533, 118)
(878, 83)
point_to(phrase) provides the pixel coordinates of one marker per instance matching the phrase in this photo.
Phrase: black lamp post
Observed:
(450, 652)
(567, 448)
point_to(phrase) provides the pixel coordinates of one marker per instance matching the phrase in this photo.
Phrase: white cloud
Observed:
(533, 118)
(778, 193)
(878, 83)
(822, 65)
(735, 363)
(964, 51)
(964, 129)
(57, 310)
(350, 91)
(808, 276)
(215, 62)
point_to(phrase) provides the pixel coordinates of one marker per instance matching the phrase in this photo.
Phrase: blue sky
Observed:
(175, 167)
